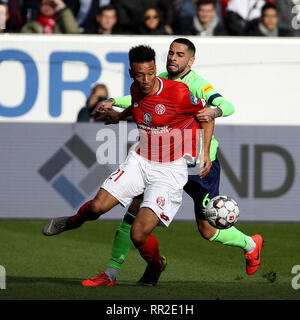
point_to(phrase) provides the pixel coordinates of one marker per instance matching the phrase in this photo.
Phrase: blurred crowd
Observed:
(271, 18)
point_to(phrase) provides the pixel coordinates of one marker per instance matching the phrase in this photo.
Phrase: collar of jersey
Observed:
(161, 86)
(183, 75)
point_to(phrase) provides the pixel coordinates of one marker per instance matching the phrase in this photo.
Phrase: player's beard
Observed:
(176, 73)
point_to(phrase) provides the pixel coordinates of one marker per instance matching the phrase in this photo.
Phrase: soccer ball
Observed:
(222, 212)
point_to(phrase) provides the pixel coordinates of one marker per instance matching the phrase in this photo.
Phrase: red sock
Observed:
(150, 252)
(84, 214)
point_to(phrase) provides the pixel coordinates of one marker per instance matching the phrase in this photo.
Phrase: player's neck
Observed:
(155, 88)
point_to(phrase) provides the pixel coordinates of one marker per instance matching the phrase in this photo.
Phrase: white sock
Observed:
(112, 273)
(251, 247)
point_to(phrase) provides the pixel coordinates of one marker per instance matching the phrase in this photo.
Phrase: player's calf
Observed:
(58, 225)
(206, 230)
(89, 211)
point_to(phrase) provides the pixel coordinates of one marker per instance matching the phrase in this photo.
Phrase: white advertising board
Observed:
(48, 78)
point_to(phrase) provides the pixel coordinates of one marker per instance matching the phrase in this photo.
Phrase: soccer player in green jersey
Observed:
(201, 189)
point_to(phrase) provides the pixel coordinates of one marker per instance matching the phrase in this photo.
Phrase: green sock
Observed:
(232, 237)
(122, 242)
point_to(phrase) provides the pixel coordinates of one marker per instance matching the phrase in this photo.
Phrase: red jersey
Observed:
(166, 121)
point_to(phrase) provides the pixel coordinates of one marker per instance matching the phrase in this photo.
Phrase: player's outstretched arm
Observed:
(224, 105)
(123, 102)
(220, 108)
(114, 115)
(102, 106)
(126, 113)
(209, 114)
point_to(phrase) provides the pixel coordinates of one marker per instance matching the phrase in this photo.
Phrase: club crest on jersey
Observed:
(136, 104)
(160, 201)
(160, 109)
(194, 99)
(147, 117)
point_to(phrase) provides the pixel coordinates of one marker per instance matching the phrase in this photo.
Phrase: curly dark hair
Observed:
(141, 53)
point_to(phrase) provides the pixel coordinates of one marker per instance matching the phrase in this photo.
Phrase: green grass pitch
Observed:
(48, 268)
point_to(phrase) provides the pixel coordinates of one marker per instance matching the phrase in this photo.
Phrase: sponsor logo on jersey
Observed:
(154, 130)
(135, 104)
(160, 109)
(147, 117)
(194, 99)
(207, 88)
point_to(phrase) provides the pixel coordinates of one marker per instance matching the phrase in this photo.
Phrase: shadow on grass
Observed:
(57, 280)
(19, 287)
(40, 280)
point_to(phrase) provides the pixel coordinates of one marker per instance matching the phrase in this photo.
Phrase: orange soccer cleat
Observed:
(253, 259)
(101, 279)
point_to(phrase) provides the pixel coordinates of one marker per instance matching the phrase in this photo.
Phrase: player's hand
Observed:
(112, 114)
(207, 166)
(209, 114)
(102, 106)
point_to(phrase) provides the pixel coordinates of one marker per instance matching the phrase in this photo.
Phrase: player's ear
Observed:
(191, 61)
(130, 73)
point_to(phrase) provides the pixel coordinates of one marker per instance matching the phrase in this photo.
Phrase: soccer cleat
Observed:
(101, 279)
(253, 259)
(57, 225)
(151, 275)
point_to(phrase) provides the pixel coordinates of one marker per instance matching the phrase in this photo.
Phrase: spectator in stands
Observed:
(85, 12)
(99, 93)
(54, 17)
(10, 16)
(289, 15)
(240, 12)
(130, 12)
(4, 17)
(223, 8)
(30, 9)
(206, 22)
(267, 25)
(105, 22)
(104, 3)
(184, 12)
(152, 23)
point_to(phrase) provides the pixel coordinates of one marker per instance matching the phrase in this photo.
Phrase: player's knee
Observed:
(97, 207)
(138, 238)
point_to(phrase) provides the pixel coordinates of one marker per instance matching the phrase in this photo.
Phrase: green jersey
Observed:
(201, 89)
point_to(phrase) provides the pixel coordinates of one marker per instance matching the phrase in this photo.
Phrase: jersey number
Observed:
(118, 173)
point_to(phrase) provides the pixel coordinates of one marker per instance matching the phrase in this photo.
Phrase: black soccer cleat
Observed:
(58, 225)
(151, 275)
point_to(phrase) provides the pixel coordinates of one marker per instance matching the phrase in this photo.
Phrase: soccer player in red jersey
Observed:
(165, 112)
